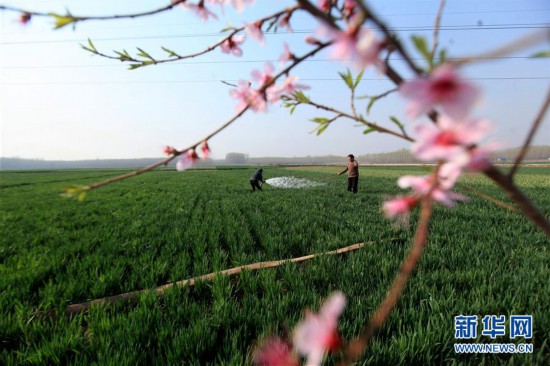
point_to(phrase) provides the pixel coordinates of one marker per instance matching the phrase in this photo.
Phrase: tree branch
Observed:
(106, 17)
(487, 197)
(518, 45)
(125, 58)
(527, 143)
(527, 207)
(314, 11)
(436, 30)
(356, 347)
(390, 38)
(283, 72)
(355, 118)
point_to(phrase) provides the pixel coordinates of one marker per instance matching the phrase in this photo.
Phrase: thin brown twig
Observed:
(168, 159)
(199, 53)
(358, 119)
(358, 346)
(285, 71)
(518, 45)
(381, 95)
(524, 203)
(105, 17)
(314, 11)
(436, 30)
(536, 123)
(390, 38)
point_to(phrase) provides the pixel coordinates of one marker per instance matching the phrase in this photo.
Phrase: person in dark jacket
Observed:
(353, 173)
(255, 180)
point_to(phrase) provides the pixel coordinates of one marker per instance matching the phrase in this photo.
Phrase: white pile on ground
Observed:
(292, 182)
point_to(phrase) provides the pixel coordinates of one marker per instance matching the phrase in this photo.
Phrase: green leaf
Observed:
(301, 97)
(347, 78)
(134, 66)
(228, 28)
(397, 122)
(62, 20)
(169, 52)
(91, 44)
(87, 48)
(144, 54)
(369, 130)
(358, 79)
(442, 56)
(422, 47)
(541, 54)
(371, 103)
(320, 120)
(322, 128)
(123, 56)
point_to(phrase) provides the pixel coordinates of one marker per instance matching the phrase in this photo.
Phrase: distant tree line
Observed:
(536, 153)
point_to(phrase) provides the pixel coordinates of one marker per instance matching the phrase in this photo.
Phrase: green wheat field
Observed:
(165, 226)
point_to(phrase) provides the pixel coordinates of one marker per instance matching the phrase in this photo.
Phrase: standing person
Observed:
(353, 173)
(256, 178)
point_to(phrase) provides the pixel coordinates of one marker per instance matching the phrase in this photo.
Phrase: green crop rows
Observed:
(166, 226)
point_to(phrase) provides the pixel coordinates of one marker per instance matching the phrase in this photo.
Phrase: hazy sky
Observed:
(59, 102)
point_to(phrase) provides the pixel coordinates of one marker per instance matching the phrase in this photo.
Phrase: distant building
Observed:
(235, 158)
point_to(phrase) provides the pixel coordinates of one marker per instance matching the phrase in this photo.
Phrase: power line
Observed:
(295, 32)
(233, 61)
(231, 80)
(294, 19)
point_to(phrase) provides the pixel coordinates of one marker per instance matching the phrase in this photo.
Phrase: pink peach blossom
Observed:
(231, 45)
(350, 8)
(423, 186)
(266, 76)
(25, 18)
(248, 97)
(274, 352)
(443, 87)
(401, 205)
(169, 150)
(205, 149)
(324, 5)
(312, 40)
(199, 9)
(254, 30)
(239, 4)
(449, 139)
(286, 56)
(184, 163)
(285, 21)
(358, 45)
(318, 333)
(290, 85)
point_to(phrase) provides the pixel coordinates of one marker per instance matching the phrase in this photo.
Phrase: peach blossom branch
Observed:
(283, 72)
(176, 57)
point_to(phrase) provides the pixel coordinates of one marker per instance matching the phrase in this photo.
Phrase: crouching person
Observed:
(255, 180)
